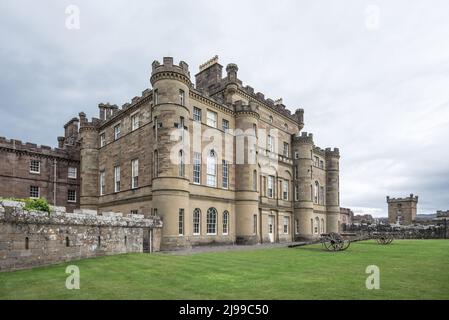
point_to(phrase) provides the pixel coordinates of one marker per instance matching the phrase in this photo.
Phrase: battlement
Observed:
(209, 63)
(303, 138)
(19, 146)
(167, 68)
(319, 151)
(332, 152)
(406, 199)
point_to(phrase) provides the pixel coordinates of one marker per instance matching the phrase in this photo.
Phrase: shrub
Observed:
(37, 205)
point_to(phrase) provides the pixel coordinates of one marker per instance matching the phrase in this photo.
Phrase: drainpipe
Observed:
(54, 180)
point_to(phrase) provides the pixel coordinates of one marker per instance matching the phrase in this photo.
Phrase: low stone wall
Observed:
(29, 239)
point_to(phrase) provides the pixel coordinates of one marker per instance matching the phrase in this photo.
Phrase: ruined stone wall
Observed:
(30, 239)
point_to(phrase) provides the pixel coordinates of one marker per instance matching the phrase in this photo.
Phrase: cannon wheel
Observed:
(384, 239)
(335, 242)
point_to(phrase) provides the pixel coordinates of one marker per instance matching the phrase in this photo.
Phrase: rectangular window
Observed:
(155, 212)
(270, 186)
(71, 196)
(225, 174)
(296, 193)
(296, 155)
(270, 144)
(34, 192)
(316, 162)
(35, 166)
(102, 139)
(134, 212)
(225, 125)
(197, 167)
(321, 164)
(71, 174)
(255, 224)
(285, 151)
(286, 224)
(135, 122)
(135, 173)
(211, 174)
(155, 163)
(102, 183)
(196, 114)
(255, 129)
(182, 98)
(117, 131)
(296, 226)
(117, 179)
(211, 119)
(296, 173)
(181, 222)
(285, 190)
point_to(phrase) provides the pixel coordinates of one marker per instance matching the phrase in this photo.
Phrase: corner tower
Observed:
(303, 207)
(332, 189)
(170, 185)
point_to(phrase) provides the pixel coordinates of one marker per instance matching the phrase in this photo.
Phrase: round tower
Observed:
(247, 172)
(88, 164)
(332, 189)
(170, 183)
(303, 211)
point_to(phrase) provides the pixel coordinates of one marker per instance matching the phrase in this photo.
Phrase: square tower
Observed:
(402, 211)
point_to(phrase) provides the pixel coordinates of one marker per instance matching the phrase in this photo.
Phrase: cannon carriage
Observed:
(340, 241)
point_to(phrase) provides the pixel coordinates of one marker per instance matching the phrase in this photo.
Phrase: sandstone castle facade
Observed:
(216, 161)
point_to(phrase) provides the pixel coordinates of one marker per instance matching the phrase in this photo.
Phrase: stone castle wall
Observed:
(30, 239)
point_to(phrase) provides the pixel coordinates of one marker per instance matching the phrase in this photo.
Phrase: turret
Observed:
(332, 189)
(246, 169)
(88, 163)
(170, 184)
(303, 207)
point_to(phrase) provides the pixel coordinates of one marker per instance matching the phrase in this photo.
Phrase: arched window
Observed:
(67, 242)
(182, 166)
(316, 192)
(211, 169)
(255, 180)
(211, 222)
(155, 163)
(27, 243)
(316, 226)
(322, 226)
(196, 221)
(225, 223)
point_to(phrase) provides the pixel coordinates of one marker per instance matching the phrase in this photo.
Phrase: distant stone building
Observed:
(402, 211)
(362, 219)
(442, 214)
(218, 162)
(346, 216)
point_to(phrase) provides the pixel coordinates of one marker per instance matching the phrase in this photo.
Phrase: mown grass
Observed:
(409, 269)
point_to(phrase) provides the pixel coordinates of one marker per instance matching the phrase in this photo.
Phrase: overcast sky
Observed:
(372, 76)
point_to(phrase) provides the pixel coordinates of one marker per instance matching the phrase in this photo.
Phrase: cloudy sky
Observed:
(372, 76)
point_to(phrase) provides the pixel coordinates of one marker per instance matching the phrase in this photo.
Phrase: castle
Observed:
(216, 161)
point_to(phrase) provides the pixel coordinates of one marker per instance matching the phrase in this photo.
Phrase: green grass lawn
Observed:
(409, 269)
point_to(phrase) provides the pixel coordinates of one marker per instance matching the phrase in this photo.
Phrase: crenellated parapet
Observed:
(12, 145)
(411, 198)
(168, 70)
(332, 152)
(246, 110)
(304, 138)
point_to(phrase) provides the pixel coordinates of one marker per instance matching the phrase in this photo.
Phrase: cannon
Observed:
(383, 238)
(334, 241)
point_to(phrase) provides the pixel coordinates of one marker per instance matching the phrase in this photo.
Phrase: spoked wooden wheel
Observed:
(384, 239)
(334, 242)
